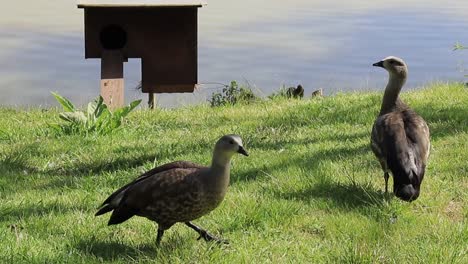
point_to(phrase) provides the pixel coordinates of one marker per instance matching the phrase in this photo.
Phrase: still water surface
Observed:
(320, 44)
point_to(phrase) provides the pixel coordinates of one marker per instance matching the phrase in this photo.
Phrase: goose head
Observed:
(299, 89)
(407, 189)
(395, 66)
(229, 145)
(407, 192)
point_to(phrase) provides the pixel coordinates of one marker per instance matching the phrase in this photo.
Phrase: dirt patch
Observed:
(454, 210)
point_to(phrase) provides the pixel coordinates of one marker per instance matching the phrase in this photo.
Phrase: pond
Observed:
(319, 44)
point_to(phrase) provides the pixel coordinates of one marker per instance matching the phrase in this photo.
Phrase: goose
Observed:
(293, 92)
(400, 137)
(180, 191)
(317, 93)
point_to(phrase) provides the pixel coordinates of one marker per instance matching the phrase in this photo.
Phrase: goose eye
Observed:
(231, 142)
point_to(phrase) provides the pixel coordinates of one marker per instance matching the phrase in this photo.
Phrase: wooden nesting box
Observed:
(163, 33)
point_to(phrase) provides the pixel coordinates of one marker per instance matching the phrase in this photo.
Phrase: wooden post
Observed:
(151, 101)
(112, 81)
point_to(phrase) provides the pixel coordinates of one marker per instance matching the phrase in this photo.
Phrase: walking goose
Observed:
(400, 137)
(180, 191)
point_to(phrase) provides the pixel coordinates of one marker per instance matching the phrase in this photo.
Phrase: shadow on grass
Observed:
(270, 143)
(310, 162)
(115, 158)
(339, 195)
(453, 120)
(17, 166)
(17, 162)
(109, 250)
(13, 213)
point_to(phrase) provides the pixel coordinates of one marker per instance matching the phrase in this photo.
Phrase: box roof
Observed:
(140, 3)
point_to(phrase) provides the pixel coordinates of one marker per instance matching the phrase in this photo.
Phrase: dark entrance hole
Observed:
(113, 37)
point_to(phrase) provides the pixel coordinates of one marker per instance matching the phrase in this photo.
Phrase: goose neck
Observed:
(221, 163)
(219, 172)
(392, 92)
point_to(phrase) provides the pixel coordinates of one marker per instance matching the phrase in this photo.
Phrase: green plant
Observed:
(459, 46)
(4, 135)
(281, 93)
(233, 94)
(97, 118)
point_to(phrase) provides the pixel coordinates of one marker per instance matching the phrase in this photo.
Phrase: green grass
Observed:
(311, 190)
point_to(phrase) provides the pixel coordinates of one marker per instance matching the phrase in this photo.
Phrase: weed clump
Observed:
(233, 94)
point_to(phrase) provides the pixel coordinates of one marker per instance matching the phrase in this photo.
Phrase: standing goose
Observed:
(180, 191)
(293, 92)
(400, 137)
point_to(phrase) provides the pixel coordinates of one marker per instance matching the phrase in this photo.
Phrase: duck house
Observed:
(162, 33)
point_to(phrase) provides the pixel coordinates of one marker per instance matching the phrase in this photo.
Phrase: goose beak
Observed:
(242, 151)
(378, 64)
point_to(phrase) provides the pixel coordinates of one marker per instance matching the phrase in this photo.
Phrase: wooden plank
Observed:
(112, 81)
(140, 3)
(169, 88)
(169, 51)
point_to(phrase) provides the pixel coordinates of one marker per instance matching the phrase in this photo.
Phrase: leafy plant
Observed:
(97, 118)
(233, 94)
(4, 135)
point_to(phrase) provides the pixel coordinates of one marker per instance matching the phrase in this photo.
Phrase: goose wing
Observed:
(114, 199)
(418, 135)
(163, 197)
(401, 141)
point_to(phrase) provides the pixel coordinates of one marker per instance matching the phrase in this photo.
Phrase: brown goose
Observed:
(400, 137)
(180, 191)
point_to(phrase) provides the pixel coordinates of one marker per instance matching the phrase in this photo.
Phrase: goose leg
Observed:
(160, 234)
(386, 176)
(204, 234)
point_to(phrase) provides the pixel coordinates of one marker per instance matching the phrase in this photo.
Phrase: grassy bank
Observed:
(311, 190)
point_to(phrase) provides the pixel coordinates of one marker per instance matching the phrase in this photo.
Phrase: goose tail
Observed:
(105, 209)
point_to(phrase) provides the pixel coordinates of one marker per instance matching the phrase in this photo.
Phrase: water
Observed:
(320, 44)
